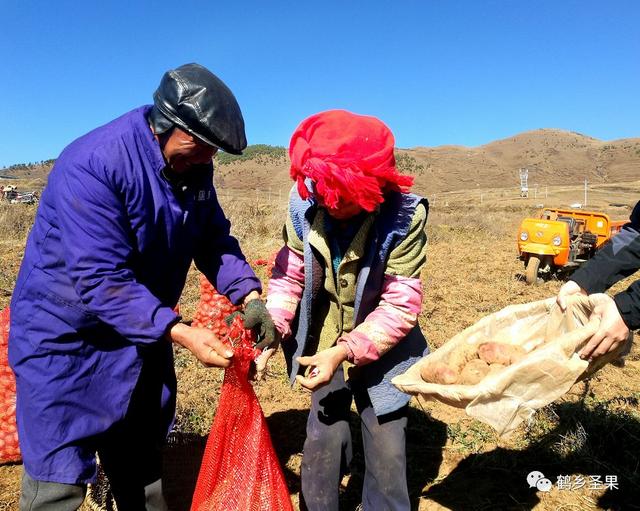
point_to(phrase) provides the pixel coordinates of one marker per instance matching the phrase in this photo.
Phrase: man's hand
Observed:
(257, 318)
(323, 365)
(612, 332)
(203, 343)
(568, 288)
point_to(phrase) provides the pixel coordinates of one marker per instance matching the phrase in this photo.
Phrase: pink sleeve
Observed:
(393, 318)
(285, 289)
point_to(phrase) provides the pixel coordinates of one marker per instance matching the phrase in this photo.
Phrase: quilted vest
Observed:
(389, 229)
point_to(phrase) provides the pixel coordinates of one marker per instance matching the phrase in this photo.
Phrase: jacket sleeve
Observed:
(285, 289)
(287, 281)
(628, 303)
(618, 259)
(220, 258)
(97, 247)
(400, 300)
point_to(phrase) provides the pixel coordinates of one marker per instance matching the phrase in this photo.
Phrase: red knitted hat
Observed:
(349, 158)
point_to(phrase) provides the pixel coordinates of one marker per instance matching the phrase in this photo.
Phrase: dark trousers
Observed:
(130, 453)
(328, 450)
(47, 496)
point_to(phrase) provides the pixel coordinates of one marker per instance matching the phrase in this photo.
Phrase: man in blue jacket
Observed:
(126, 210)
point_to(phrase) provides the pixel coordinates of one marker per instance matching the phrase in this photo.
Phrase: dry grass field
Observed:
(454, 462)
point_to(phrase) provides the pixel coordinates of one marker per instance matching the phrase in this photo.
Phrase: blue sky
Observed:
(437, 72)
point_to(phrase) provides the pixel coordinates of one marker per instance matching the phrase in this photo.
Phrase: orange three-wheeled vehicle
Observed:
(561, 239)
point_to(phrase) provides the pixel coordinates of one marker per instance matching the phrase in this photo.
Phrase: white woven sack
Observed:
(552, 339)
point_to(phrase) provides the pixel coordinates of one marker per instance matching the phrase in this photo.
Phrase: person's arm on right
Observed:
(618, 259)
(620, 314)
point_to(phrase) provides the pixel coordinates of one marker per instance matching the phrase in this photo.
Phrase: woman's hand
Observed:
(259, 366)
(323, 365)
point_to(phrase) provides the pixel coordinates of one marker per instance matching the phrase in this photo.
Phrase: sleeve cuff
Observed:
(360, 350)
(579, 278)
(237, 295)
(343, 342)
(625, 305)
(164, 320)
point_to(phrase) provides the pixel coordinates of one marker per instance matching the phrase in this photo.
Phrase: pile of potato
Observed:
(470, 364)
(9, 448)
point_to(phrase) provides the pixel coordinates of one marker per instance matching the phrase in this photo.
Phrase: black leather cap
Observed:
(197, 101)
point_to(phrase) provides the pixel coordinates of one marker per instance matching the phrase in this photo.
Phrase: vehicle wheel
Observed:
(531, 273)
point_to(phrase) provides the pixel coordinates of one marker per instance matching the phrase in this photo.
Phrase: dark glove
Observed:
(258, 319)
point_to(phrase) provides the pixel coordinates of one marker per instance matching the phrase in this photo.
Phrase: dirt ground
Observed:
(454, 462)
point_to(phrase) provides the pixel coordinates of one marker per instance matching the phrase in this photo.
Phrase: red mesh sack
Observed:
(240, 470)
(9, 450)
(269, 263)
(212, 309)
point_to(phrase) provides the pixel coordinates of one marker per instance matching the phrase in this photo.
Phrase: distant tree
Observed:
(408, 164)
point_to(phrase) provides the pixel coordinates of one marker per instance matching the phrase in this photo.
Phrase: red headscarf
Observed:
(349, 157)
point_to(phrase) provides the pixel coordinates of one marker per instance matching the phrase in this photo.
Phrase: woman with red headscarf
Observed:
(346, 291)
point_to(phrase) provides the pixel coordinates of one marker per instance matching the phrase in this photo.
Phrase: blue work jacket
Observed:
(105, 264)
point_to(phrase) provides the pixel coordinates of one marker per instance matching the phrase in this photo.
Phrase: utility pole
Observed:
(585, 191)
(524, 187)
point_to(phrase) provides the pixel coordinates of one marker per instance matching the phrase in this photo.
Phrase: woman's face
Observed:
(342, 210)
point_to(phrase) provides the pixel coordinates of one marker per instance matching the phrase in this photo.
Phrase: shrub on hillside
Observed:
(408, 164)
(261, 153)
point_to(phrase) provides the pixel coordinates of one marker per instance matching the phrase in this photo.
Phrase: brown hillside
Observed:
(33, 174)
(553, 157)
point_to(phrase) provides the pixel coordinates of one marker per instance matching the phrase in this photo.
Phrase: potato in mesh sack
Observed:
(9, 448)
(531, 356)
